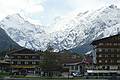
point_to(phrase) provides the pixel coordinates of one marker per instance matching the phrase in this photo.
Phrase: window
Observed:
(33, 62)
(22, 62)
(109, 44)
(72, 67)
(100, 61)
(115, 44)
(119, 44)
(118, 55)
(19, 57)
(30, 62)
(106, 50)
(118, 61)
(41, 58)
(112, 55)
(100, 44)
(100, 66)
(109, 50)
(33, 57)
(18, 62)
(37, 63)
(112, 61)
(118, 50)
(76, 67)
(118, 67)
(103, 67)
(99, 55)
(99, 50)
(106, 55)
(26, 62)
(26, 57)
(12, 62)
(106, 61)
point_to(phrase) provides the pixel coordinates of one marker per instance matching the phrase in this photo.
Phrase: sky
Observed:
(45, 11)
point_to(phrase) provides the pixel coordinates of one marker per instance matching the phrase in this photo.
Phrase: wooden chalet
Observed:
(24, 61)
(74, 66)
(28, 62)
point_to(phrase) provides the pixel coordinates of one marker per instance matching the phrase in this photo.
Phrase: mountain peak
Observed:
(77, 30)
(23, 32)
(112, 6)
(17, 15)
(14, 18)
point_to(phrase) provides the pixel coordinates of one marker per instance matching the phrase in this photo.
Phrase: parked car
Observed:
(76, 74)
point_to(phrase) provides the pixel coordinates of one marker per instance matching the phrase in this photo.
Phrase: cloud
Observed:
(24, 7)
(84, 5)
(44, 11)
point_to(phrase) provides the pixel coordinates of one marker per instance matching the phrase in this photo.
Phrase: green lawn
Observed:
(4, 74)
(65, 79)
(39, 78)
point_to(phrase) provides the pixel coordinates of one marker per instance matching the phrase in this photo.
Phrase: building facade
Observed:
(24, 61)
(4, 66)
(29, 62)
(107, 52)
(75, 69)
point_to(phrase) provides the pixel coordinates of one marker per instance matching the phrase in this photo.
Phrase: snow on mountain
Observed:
(86, 27)
(75, 31)
(24, 33)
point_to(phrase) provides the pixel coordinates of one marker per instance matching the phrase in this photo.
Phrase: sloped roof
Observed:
(3, 61)
(88, 59)
(19, 50)
(99, 40)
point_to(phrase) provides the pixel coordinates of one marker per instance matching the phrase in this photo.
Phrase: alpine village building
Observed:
(27, 62)
(106, 54)
(105, 60)
(24, 61)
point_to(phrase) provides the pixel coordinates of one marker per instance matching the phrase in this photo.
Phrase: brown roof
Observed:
(88, 59)
(3, 61)
(72, 61)
(20, 51)
(99, 40)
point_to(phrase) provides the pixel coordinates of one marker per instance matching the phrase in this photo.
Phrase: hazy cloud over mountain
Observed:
(44, 11)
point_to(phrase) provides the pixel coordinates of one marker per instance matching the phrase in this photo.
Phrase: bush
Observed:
(4, 74)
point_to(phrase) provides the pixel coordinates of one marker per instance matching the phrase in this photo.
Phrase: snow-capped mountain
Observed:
(85, 27)
(24, 33)
(74, 31)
